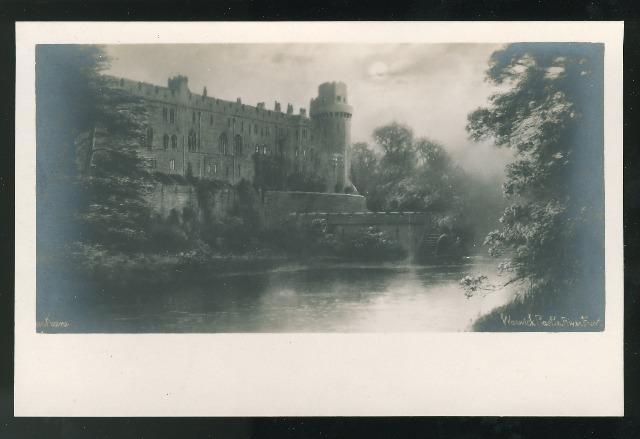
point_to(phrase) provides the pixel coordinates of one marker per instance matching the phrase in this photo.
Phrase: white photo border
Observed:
(440, 374)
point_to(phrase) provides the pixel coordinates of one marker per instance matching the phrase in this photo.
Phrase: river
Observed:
(320, 298)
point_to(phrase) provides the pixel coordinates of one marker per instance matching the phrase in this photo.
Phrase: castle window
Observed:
(237, 144)
(226, 171)
(191, 141)
(165, 141)
(223, 144)
(242, 126)
(239, 171)
(211, 119)
(193, 117)
(229, 122)
(255, 128)
(164, 114)
(172, 116)
(174, 142)
(149, 138)
(172, 164)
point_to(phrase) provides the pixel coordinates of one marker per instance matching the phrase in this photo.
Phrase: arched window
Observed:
(223, 143)
(174, 142)
(172, 115)
(237, 145)
(165, 141)
(164, 114)
(149, 138)
(191, 141)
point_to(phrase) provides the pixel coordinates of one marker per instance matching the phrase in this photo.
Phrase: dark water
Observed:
(337, 298)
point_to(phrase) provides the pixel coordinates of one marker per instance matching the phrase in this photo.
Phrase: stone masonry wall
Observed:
(277, 205)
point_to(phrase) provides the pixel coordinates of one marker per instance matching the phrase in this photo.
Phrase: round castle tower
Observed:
(331, 116)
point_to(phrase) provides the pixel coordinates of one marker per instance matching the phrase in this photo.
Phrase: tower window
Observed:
(237, 144)
(191, 141)
(165, 141)
(193, 117)
(172, 116)
(223, 144)
(174, 142)
(149, 138)
(164, 114)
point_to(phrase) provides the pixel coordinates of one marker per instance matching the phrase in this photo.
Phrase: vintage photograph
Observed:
(320, 187)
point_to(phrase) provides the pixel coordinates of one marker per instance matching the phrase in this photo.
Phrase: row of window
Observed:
(210, 169)
(193, 144)
(169, 115)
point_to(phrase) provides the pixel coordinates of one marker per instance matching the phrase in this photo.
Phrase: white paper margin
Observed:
(506, 374)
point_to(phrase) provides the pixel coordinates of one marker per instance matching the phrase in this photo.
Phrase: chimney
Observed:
(204, 92)
(277, 107)
(289, 109)
(238, 100)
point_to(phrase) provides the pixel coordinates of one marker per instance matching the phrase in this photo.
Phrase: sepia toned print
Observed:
(425, 187)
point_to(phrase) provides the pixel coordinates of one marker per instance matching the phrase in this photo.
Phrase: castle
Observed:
(197, 135)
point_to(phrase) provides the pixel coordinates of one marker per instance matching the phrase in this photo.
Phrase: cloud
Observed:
(285, 58)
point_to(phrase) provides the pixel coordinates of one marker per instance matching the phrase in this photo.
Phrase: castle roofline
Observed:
(199, 101)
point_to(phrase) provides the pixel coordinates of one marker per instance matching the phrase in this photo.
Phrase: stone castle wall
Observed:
(278, 205)
(274, 206)
(164, 198)
(195, 134)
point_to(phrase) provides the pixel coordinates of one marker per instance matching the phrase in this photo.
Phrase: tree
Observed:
(364, 166)
(550, 113)
(94, 146)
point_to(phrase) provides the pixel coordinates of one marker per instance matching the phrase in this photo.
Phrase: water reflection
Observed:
(338, 298)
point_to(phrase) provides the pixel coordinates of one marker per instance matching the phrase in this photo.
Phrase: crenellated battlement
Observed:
(177, 92)
(208, 137)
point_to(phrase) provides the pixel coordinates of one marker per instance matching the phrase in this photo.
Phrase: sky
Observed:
(430, 87)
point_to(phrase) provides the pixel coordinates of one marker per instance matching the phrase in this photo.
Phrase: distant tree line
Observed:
(403, 173)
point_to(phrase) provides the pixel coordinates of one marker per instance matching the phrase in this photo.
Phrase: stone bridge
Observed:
(412, 230)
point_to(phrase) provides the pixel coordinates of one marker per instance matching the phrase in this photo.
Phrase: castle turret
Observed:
(179, 84)
(331, 115)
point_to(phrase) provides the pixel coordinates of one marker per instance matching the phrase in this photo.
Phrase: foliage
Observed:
(364, 167)
(276, 172)
(413, 174)
(549, 113)
(103, 177)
